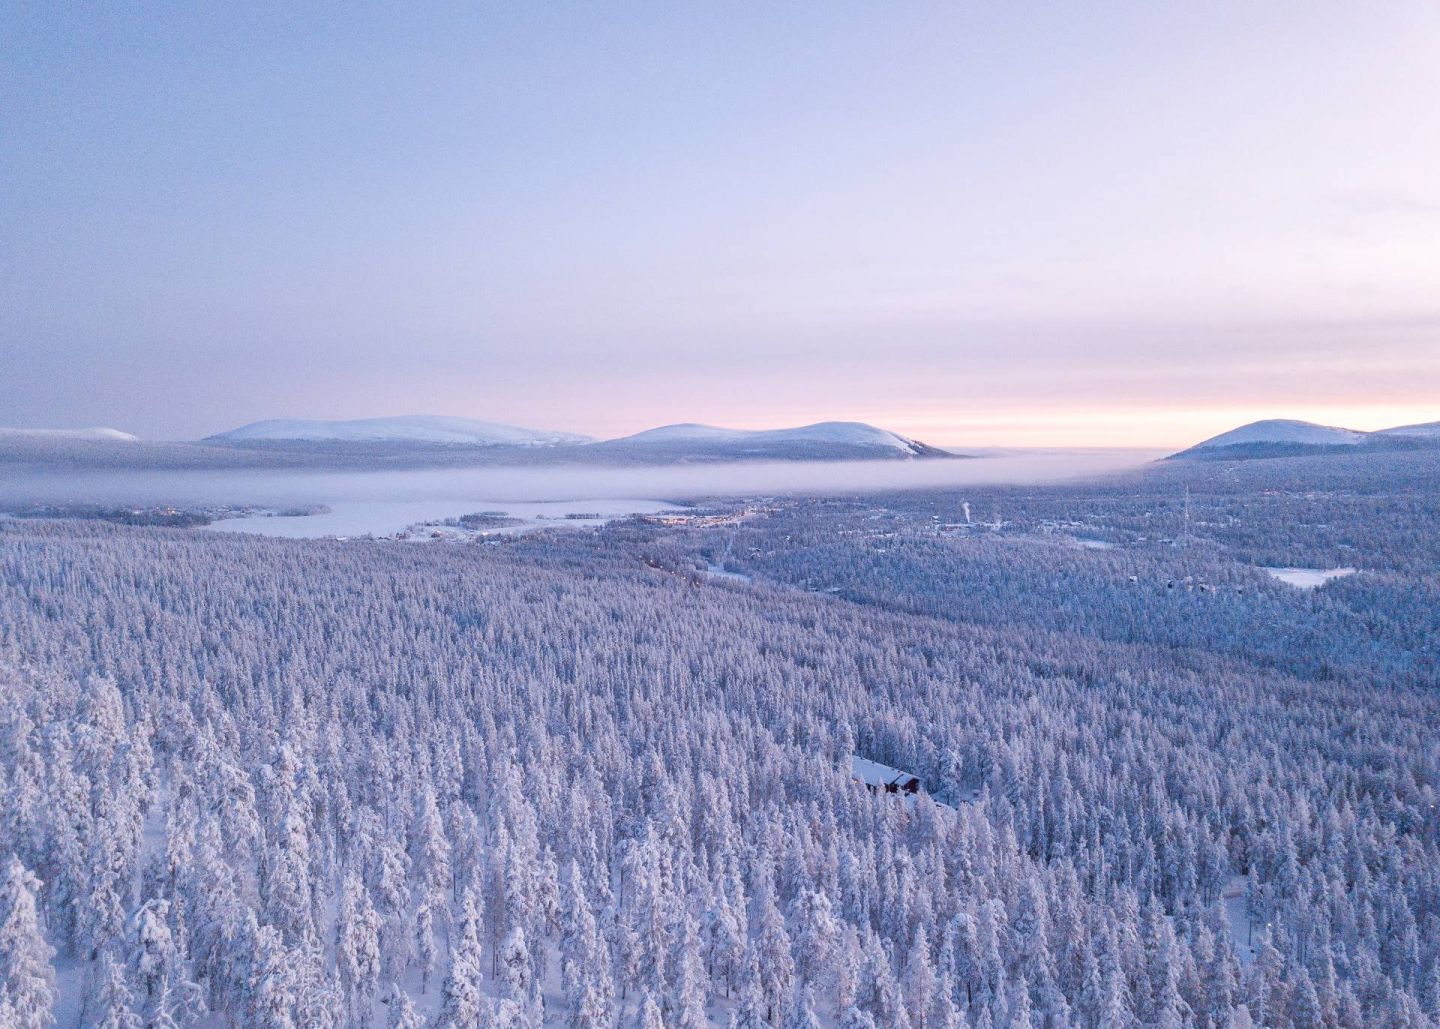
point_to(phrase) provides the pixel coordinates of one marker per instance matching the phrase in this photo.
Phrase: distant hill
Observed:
(41, 435)
(823, 440)
(1427, 430)
(1279, 437)
(427, 439)
(422, 429)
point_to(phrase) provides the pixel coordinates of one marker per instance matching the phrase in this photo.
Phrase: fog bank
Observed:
(520, 484)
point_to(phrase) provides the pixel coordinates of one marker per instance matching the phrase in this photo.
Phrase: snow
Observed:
(1280, 430)
(855, 434)
(719, 572)
(686, 432)
(419, 518)
(409, 429)
(96, 433)
(1308, 578)
(1428, 430)
(873, 773)
(1237, 918)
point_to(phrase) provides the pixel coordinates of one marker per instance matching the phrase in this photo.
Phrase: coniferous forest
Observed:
(602, 777)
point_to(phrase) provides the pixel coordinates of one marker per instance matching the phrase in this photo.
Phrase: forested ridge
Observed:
(569, 781)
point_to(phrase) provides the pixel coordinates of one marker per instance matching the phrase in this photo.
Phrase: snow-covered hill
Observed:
(849, 438)
(98, 433)
(1284, 431)
(1279, 437)
(667, 444)
(426, 429)
(1426, 430)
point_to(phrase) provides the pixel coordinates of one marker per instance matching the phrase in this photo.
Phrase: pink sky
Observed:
(1108, 223)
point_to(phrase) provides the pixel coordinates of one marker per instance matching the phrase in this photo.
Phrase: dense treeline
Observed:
(311, 783)
(1381, 626)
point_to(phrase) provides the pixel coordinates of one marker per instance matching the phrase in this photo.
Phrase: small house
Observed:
(876, 776)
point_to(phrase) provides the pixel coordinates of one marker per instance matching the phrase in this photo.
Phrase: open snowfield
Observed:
(1309, 578)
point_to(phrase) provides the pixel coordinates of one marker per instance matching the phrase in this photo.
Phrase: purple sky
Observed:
(1072, 223)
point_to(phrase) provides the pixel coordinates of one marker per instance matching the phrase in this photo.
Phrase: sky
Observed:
(1099, 223)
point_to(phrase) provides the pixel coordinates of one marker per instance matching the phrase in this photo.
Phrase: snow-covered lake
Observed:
(1308, 578)
(383, 503)
(388, 517)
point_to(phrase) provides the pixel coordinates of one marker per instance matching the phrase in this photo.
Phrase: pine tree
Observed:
(515, 971)
(750, 1012)
(777, 965)
(402, 1013)
(462, 1001)
(114, 1004)
(27, 981)
(270, 991)
(430, 853)
(816, 936)
(425, 953)
(647, 1014)
(157, 966)
(801, 1013)
(690, 980)
(919, 984)
(357, 946)
(856, 1018)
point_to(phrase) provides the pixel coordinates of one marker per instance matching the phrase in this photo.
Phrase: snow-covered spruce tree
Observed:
(647, 1014)
(357, 947)
(462, 1000)
(27, 980)
(157, 966)
(691, 983)
(425, 950)
(401, 1012)
(113, 1003)
(517, 975)
(801, 1012)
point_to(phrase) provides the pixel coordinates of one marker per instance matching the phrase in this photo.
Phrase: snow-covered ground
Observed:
(1308, 578)
(422, 517)
(1238, 919)
(719, 572)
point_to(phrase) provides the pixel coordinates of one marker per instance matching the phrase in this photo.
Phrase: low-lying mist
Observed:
(473, 485)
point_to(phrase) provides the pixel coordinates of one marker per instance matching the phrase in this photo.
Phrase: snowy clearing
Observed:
(1308, 578)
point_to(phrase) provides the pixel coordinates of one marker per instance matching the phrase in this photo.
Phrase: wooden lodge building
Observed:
(876, 776)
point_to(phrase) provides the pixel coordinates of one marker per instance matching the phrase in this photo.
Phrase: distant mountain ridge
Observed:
(434, 429)
(841, 436)
(1426, 430)
(1279, 437)
(96, 433)
(669, 443)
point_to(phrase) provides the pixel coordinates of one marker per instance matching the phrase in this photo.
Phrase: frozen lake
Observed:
(387, 517)
(383, 503)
